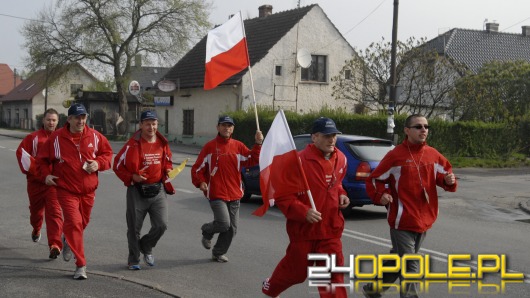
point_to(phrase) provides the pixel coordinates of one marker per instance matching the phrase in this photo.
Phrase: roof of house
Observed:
(7, 79)
(262, 34)
(148, 76)
(476, 47)
(35, 84)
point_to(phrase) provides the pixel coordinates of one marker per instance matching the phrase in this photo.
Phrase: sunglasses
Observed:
(419, 126)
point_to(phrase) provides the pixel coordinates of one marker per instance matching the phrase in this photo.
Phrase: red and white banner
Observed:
(226, 52)
(28, 163)
(280, 170)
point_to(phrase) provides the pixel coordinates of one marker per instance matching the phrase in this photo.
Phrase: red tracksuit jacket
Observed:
(31, 144)
(226, 156)
(128, 162)
(325, 196)
(397, 174)
(67, 160)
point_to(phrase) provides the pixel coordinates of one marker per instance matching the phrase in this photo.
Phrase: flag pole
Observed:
(306, 184)
(250, 72)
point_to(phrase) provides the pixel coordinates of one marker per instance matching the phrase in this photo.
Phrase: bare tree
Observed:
(110, 33)
(425, 77)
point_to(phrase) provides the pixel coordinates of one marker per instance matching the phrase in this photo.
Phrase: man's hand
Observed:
(344, 201)
(92, 166)
(50, 180)
(450, 179)
(138, 178)
(203, 186)
(258, 138)
(313, 216)
(386, 198)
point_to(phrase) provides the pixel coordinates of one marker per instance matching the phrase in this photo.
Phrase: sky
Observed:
(361, 22)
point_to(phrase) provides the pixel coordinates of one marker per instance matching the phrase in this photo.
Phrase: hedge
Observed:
(455, 139)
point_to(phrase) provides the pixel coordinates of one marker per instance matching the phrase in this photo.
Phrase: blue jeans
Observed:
(225, 218)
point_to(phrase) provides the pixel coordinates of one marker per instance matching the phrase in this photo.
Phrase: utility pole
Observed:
(393, 78)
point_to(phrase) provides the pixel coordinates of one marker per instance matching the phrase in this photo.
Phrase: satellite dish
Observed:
(303, 57)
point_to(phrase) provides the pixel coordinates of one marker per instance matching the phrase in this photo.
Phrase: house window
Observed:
(317, 71)
(17, 117)
(74, 88)
(347, 74)
(25, 112)
(188, 122)
(278, 70)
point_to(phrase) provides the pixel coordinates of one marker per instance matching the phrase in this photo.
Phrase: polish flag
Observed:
(281, 172)
(226, 52)
(27, 163)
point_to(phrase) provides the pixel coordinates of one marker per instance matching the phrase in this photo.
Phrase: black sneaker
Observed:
(35, 236)
(54, 252)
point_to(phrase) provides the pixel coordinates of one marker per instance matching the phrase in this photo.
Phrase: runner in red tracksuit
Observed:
(217, 173)
(43, 202)
(313, 231)
(405, 181)
(75, 153)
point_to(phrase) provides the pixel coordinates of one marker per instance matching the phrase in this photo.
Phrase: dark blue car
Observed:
(363, 155)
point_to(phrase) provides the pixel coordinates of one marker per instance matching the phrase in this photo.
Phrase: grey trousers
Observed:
(137, 208)
(404, 242)
(225, 219)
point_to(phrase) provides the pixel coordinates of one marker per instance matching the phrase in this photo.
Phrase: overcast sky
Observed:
(360, 21)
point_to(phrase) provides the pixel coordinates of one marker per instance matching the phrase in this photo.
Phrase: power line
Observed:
(15, 17)
(371, 13)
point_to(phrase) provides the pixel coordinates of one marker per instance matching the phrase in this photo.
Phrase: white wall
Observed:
(315, 33)
(59, 90)
(318, 35)
(207, 106)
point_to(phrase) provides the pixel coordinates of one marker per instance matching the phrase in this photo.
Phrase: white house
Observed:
(22, 105)
(274, 40)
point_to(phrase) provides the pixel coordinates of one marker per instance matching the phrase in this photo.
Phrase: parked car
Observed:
(363, 154)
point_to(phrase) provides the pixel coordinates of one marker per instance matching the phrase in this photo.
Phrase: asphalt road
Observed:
(482, 217)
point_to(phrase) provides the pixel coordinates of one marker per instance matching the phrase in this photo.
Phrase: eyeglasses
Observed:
(419, 126)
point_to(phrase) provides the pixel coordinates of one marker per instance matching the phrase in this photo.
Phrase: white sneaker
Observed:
(149, 259)
(80, 273)
(220, 259)
(67, 252)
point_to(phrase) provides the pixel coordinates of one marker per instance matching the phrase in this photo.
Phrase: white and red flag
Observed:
(280, 169)
(226, 52)
(27, 163)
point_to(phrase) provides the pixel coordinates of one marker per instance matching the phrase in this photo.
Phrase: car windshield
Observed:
(370, 150)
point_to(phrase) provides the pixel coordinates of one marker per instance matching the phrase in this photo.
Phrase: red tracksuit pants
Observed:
(76, 213)
(292, 269)
(43, 204)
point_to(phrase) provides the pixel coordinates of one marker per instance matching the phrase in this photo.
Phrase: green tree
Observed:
(500, 91)
(111, 33)
(425, 77)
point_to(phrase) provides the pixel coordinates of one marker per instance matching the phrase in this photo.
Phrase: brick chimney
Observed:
(526, 30)
(492, 27)
(265, 10)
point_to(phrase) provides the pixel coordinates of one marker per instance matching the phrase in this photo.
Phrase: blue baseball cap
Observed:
(325, 126)
(77, 109)
(225, 119)
(148, 115)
